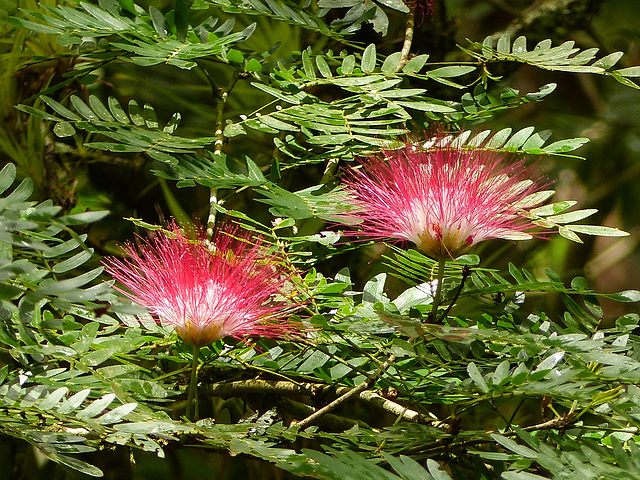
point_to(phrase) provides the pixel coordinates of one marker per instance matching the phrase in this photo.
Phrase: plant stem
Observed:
(284, 389)
(466, 271)
(211, 219)
(408, 36)
(438, 296)
(222, 97)
(192, 399)
(357, 390)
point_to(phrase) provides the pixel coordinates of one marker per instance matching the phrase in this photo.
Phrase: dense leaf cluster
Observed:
(515, 377)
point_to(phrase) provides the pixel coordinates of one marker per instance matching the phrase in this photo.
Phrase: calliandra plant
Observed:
(444, 199)
(230, 286)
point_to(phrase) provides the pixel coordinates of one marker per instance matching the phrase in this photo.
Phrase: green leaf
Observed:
(83, 218)
(427, 106)
(181, 19)
(158, 21)
(519, 138)
(608, 61)
(21, 193)
(476, 377)
(60, 109)
(368, 63)
(450, 71)
(292, 99)
(73, 402)
(514, 446)
(73, 262)
(97, 357)
(116, 414)
(307, 64)
(564, 146)
(117, 111)
(597, 230)
(316, 359)
(373, 290)
(522, 476)
(347, 65)
(391, 63)
(415, 64)
(50, 287)
(135, 113)
(572, 216)
(128, 5)
(499, 138)
(99, 108)
(626, 296)
(629, 71)
(7, 176)
(37, 113)
(97, 406)
(546, 366)
(63, 129)
(253, 65)
(398, 5)
(82, 108)
(53, 399)
(72, 462)
(554, 208)
(323, 67)
(435, 471)
(407, 468)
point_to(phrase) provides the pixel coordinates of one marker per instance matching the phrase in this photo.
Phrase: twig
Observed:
(261, 387)
(433, 314)
(192, 399)
(222, 97)
(346, 396)
(408, 35)
(331, 421)
(255, 386)
(390, 406)
(466, 271)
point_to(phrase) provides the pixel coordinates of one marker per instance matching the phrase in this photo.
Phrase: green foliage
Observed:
(136, 131)
(563, 58)
(485, 369)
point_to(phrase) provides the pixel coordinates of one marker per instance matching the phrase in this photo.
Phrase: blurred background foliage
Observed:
(80, 178)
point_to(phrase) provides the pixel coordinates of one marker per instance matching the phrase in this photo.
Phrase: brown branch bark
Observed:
(286, 389)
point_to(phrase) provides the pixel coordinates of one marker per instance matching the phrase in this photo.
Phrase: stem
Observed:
(211, 219)
(408, 36)
(346, 396)
(283, 389)
(192, 399)
(222, 96)
(466, 271)
(438, 296)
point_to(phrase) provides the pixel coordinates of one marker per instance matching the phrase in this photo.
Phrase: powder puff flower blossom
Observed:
(443, 199)
(231, 288)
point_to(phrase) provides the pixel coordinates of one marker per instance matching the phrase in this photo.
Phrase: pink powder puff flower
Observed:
(443, 199)
(231, 288)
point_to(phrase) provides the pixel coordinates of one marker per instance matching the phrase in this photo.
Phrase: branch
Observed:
(261, 387)
(357, 390)
(223, 96)
(408, 35)
(331, 421)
